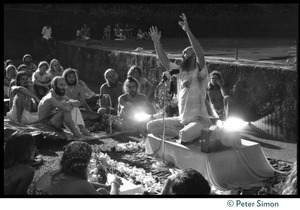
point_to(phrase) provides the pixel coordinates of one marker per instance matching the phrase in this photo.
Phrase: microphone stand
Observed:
(163, 164)
(110, 118)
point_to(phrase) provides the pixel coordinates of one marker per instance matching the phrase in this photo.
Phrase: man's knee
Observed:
(67, 115)
(153, 126)
(190, 132)
(57, 119)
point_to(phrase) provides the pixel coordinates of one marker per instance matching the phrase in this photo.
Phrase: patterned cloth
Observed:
(77, 154)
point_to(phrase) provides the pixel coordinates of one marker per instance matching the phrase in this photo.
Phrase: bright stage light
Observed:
(142, 116)
(234, 124)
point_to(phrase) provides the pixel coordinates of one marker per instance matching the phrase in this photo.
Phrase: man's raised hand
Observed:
(155, 34)
(184, 24)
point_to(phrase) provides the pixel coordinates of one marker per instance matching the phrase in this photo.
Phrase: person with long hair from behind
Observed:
(290, 186)
(71, 178)
(19, 151)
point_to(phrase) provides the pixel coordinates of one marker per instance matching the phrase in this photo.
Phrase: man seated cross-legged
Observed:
(76, 92)
(57, 109)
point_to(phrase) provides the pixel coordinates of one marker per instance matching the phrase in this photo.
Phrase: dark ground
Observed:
(51, 153)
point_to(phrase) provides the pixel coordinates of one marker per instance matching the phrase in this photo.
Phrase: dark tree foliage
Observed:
(206, 20)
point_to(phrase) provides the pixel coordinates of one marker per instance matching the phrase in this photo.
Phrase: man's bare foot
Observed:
(84, 131)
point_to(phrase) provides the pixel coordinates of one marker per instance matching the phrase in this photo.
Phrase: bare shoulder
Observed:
(122, 98)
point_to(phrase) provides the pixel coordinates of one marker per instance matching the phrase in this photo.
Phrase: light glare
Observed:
(234, 124)
(142, 116)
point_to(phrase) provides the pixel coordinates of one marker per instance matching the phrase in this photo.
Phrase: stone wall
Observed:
(257, 89)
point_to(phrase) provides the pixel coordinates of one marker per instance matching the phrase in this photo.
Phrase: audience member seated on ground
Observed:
(10, 74)
(41, 80)
(107, 32)
(19, 152)
(114, 89)
(85, 32)
(90, 96)
(132, 103)
(47, 39)
(22, 67)
(142, 35)
(290, 186)
(76, 92)
(145, 87)
(55, 68)
(192, 82)
(78, 35)
(118, 32)
(218, 96)
(186, 182)
(71, 178)
(58, 110)
(20, 101)
(9, 62)
(128, 32)
(31, 67)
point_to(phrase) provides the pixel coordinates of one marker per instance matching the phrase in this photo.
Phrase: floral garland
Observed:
(132, 174)
(112, 145)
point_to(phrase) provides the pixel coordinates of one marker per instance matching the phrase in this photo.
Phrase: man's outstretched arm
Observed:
(194, 42)
(155, 36)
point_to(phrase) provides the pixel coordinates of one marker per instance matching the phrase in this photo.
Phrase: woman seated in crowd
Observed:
(55, 68)
(20, 101)
(186, 182)
(19, 151)
(10, 74)
(72, 176)
(41, 80)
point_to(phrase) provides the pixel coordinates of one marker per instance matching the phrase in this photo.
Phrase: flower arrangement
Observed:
(132, 174)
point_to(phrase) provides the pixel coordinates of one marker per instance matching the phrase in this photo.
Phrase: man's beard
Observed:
(187, 63)
(132, 94)
(60, 92)
(112, 84)
(71, 84)
(27, 63)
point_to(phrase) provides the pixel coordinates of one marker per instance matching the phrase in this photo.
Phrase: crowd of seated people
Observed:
(123, 33)
(24, 93)
(57, 97)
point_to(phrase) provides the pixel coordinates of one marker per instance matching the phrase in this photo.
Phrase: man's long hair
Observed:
(69, 71)
(17, 149)
(19, 75)
(130, 79)
(215, 73)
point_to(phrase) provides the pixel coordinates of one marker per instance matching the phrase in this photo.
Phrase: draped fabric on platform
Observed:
(225, 169)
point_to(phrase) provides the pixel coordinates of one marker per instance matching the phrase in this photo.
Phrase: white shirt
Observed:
(46, 32)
